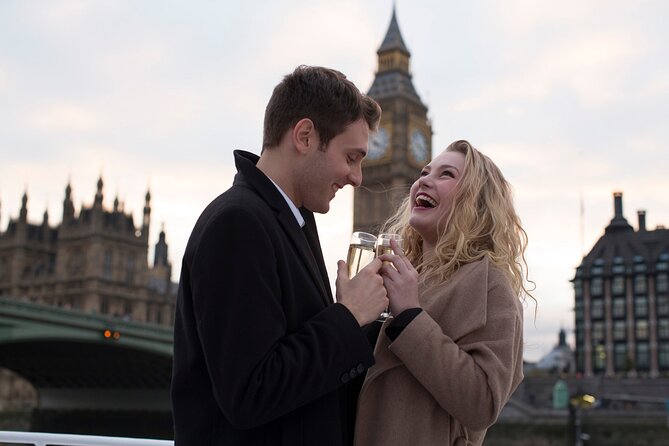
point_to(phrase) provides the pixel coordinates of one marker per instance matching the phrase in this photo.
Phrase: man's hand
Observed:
(364, 295)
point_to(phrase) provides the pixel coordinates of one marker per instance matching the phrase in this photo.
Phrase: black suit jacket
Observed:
(261, 352)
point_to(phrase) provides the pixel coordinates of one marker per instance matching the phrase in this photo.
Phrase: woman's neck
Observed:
(428, 251)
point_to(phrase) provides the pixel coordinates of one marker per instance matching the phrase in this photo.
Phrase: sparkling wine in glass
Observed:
(383, 247)
(360, 252)
(383, 243)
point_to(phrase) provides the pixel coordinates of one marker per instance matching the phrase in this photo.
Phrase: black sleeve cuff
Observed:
(400, 322)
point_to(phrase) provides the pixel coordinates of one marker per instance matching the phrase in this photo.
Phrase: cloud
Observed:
(588, 66)
(337, 35)
(4, 79)
(63, 15)
(63, 118)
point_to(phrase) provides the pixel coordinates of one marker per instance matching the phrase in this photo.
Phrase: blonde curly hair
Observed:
(485, 225)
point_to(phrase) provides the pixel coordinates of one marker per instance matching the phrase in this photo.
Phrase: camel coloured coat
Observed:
(450, 372)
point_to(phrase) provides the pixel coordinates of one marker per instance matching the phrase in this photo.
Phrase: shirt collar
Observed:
(291, 205)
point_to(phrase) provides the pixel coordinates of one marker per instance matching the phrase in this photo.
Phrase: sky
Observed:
(570, 99)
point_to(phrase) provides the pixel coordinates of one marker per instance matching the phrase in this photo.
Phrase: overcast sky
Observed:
(570, 99)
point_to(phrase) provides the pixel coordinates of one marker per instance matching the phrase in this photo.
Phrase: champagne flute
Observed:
(383, 247)
(360, 252)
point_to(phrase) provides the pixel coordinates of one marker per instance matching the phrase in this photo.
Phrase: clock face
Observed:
(378, 144)
(419, 148)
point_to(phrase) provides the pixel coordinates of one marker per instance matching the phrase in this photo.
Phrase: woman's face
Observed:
(432, 194)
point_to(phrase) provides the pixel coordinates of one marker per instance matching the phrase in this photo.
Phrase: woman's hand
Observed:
(400, 279)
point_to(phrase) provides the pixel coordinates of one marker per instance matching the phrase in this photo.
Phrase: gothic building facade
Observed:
(94, 261)
(622, 301)
(403, 144)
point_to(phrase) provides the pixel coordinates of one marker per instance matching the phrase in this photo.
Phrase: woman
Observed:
(452, 357)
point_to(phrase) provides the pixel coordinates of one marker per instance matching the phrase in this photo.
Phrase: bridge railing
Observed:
(46, 439)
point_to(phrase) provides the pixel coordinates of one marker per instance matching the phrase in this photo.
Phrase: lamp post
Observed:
(577, 404)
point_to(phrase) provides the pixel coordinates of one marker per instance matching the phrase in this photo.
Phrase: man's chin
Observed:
(318, 208)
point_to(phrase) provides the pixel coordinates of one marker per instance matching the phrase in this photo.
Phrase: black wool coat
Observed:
(262, 354)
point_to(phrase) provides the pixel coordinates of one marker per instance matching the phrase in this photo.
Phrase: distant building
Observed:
(622, 301)
(94, 261)
(560, 359)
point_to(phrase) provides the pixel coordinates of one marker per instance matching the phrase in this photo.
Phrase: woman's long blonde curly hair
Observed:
(482, 222)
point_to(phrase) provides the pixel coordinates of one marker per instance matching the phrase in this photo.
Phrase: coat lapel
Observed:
(299, 240)
(311, 233)
(312, 260)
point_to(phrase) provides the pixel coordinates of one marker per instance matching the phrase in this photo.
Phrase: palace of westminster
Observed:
(96, 259)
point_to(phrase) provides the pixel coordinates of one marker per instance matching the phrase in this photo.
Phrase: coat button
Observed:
(353, 373)
(361, 368)
(345, 378)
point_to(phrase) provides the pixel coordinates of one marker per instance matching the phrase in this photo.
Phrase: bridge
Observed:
(86, 363)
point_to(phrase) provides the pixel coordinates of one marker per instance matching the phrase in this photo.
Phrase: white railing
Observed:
(44, 439)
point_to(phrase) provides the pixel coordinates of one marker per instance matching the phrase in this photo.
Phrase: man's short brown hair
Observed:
(323, 95)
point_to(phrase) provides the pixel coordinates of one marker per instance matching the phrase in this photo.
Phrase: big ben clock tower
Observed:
(403, 144)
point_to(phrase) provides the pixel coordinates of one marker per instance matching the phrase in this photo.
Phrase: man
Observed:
(262, 354)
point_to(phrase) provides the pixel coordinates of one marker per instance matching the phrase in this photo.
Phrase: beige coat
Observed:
(445, 379)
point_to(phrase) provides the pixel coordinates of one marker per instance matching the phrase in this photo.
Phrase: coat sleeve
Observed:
(473, 378)
(260, 371)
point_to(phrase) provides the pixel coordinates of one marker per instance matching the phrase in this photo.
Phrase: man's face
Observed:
(325, 172)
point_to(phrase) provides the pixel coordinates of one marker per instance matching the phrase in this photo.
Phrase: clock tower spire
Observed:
(403, 144)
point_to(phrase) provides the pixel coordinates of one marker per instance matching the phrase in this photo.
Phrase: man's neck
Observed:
(272, 164)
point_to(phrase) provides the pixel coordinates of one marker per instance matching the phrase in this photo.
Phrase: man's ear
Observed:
(304, 136)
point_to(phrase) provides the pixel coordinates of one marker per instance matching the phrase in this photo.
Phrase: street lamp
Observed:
(577, 404)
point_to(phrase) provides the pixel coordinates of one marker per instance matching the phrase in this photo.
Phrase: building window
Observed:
(127, 309)
(642, 356)
(618, 307)
(642, 329)
(662, 262)
(620, 356)
(107, 264)
(618, 265)
(598, 331)
(104, 305)
(130, 270)
(75, 264)
(578, 288)
(662, 283)
(619, 330)
(596, 286)
(618, 286)
(640, 284)
(599, 353)
(663, 328)
(663, 355)
(4, 270)
(578, 310)
(641, 306)
(662, 303)
(597, 308)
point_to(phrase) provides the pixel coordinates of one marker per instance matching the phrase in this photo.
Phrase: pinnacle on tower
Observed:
(23, 215)
(98, 194)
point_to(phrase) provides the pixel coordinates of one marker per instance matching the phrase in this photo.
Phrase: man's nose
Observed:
(355, 177)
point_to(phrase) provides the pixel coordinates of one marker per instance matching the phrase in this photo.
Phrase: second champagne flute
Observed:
(383, 247)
